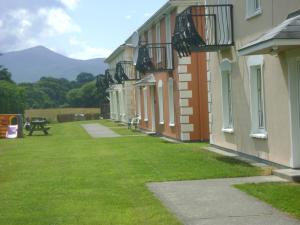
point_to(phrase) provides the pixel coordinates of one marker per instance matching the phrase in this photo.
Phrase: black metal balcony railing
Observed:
(203, 28)
(154, 57)
(124, 71)
(102, 83)
(108, 76)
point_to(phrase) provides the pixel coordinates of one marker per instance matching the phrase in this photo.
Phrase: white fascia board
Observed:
(267, 46)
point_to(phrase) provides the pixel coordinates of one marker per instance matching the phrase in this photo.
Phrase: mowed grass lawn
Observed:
(70, 178)
(283, 196)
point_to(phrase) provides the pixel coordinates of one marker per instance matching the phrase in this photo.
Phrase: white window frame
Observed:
(224, 23)
(138, 98)
(169, 41)
(158, 41)
(145, 95)
(227, 109)
(160, 101)
(257, 102)
(150, 41)
(171, 102)
(253, 8)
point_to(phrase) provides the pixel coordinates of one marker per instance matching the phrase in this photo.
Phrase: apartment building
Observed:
(253, 71)
(121, 78)
(171, 92)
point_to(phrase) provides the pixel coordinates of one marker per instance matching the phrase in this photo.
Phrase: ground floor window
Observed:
(145, 104)
(171, 101)
(227, 96)
(258, 121)
(160, 102)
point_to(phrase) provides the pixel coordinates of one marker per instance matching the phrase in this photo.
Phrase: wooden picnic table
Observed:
(38, 125)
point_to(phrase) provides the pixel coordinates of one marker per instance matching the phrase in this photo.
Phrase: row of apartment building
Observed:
(223, 71)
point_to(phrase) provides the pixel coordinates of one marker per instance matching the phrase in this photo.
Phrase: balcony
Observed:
(203, 28)
(124, 71)
(108, 76)
(155, 57)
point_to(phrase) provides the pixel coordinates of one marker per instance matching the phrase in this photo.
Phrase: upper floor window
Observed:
(158, 40)
(258, 120)
(227, 96)
(253, 8)
(149, 42)
(160, 102)
(169, 40)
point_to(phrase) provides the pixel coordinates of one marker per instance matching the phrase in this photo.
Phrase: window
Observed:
(171, 101)
(150, 42)
(258, 121)
(138, 98)
(158, 40)
(169, 41)
(223, 23)
(145, 104)
(160, 102)
(253, 8)
(227, 96)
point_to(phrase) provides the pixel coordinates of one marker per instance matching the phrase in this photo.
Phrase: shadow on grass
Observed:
(233, 161)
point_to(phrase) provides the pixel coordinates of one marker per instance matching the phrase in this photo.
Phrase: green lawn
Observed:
(70, 178)
(284, 196)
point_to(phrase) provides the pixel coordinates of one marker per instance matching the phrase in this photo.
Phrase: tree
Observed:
(84, 78)
(86, 96)
(5, 74)
(12, 98)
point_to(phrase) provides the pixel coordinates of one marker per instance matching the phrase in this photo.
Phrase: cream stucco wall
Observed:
(277, 146)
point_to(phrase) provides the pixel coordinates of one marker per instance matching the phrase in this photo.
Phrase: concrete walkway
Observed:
(98, 131)
(217, 202)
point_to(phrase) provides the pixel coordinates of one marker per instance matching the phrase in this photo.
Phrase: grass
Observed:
(69, 178)
(283, 196)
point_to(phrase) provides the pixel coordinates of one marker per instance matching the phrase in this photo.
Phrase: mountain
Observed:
(31, 64)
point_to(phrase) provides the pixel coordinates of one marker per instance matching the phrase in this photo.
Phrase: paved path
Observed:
(98, 131)
(216, 202)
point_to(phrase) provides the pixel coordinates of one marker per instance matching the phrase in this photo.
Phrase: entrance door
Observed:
(294, 86)
(152, 92)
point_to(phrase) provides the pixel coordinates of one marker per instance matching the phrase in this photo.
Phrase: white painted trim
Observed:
(251, 11)
(293, 57)
(258, 48)
(228, 130)
(160, 95)
(259, 135)
(252, 63)
(226, 85)
(171, 101)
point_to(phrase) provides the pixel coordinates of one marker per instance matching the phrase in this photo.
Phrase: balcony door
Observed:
(294, 89)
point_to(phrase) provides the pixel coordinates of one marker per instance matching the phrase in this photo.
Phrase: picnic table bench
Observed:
(38, 125)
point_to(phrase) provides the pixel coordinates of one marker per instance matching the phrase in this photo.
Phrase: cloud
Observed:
(83, 50)
(58, 21)
(24, 24)
(128, 17)
(70, 4)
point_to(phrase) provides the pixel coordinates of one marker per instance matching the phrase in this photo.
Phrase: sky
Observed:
(80, 29)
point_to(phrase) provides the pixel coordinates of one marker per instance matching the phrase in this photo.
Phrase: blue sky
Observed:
(77, 28)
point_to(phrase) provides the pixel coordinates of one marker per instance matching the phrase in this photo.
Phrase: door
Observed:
(294, 88)
(152, 92)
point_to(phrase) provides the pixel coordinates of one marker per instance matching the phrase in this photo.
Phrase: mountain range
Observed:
(31, 64)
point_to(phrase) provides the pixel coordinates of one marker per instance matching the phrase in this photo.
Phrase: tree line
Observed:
(49, 92)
